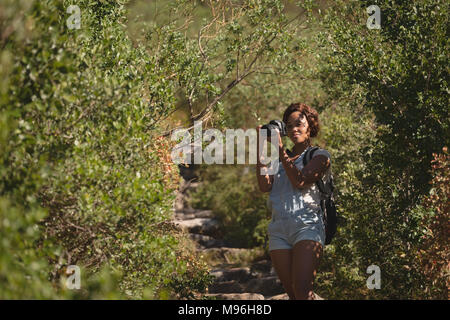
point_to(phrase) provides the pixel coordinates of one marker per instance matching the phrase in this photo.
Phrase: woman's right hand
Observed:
(260, 158)
(264, 180)
(257, 131)
(258, 128)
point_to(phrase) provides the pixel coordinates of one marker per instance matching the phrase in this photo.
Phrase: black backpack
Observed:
(326, 200)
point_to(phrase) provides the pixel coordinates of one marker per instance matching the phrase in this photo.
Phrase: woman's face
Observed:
(297, 127)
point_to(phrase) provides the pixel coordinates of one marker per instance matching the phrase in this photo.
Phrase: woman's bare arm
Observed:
(265, 181)
(313, 171)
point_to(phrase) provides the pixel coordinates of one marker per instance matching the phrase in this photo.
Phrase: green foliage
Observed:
(402, 71)
(343, 133)
(384, 113)
(433, 255)
(399, 74)
(84, 104)
(218, 47)
(23, 270)
(85, 181)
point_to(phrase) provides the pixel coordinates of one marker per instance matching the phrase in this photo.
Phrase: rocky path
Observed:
(240, 273)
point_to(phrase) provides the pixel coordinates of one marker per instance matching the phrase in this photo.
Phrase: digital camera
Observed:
(275, 124)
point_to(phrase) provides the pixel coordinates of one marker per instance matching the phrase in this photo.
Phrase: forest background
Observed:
(86, 176)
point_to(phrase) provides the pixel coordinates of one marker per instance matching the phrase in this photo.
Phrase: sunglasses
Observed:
(299, 123)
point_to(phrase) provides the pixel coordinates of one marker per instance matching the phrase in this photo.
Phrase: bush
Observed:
(396, 78)
(433, 254)
(83, 145)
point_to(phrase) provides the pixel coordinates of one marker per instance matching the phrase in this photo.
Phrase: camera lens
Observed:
(275, 124)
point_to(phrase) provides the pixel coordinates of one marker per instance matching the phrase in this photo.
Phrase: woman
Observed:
(296, 232)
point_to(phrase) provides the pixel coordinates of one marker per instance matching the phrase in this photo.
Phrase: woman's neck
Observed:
(300, 147)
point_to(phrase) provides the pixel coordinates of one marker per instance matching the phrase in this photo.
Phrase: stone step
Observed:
(267, 286)
(226, 287)
(284, 296)
(241, 275)
(227, 256)
(205, 226)
(203, 214)
(187, 214)
(206, 241)
(188, 210)
(263, 267)
(184, 216)
(236, 296)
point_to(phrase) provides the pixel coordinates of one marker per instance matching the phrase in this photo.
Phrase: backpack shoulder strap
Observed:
(320, 184)
(309, 154)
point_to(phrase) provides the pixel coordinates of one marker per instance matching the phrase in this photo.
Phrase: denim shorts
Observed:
(284, 232)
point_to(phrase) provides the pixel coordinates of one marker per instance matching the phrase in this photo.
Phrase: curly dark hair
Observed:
(311, 116)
